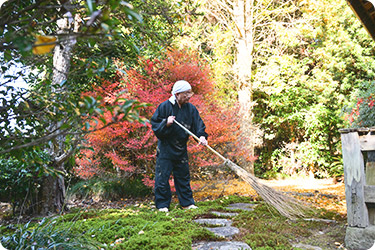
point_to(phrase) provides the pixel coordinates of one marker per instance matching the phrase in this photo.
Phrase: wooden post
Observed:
(354, 174)
(370, 188)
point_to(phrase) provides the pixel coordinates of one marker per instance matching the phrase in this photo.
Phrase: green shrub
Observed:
(46, 234)
(21, 178)
(110, 188)
(361, 113)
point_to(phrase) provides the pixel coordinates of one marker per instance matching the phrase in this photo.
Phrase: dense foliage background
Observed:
(312, 60)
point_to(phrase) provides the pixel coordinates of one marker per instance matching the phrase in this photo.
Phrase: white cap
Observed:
(178, 87)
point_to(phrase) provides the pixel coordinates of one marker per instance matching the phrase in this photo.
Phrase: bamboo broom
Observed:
(286, 205)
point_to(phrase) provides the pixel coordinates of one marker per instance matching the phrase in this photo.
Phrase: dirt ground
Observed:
(319, 193)
(327, 193)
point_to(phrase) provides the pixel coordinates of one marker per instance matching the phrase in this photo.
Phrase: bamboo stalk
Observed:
(286, 205)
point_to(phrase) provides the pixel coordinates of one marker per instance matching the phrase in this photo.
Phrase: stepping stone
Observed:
(307, 247)
(222, 214)
(221, 245)
(226, 232)
(320, 220)
(242, 206)
(214, 222)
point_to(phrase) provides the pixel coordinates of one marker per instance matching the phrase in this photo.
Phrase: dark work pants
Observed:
(181, 175)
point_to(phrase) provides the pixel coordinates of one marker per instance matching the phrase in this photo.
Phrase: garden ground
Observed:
(324, 229)
(325, 194)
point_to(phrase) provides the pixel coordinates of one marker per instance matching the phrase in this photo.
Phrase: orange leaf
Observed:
(43, 44)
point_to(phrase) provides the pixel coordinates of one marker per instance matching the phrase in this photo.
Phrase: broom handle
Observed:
(196, 138)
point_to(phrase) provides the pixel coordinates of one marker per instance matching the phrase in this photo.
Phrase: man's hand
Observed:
(202, 140)
(170, 120)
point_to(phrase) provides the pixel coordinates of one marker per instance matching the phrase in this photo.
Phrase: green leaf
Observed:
(7, 55)
(90, 6)
(132, 14)
(103, 120)
(136, 48)
(62, 83)
(99, 111)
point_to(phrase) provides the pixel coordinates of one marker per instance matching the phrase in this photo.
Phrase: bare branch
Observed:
(35, 142)
(62, 158)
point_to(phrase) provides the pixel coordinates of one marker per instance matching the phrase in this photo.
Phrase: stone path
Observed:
(223, 228)
(222, 245)
(242, 206)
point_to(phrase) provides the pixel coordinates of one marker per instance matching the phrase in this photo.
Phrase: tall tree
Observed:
(53, 189)
(250, 24)
(243, 18)
(86, 35)
(300, 73)
(58, 132)
(319, 60)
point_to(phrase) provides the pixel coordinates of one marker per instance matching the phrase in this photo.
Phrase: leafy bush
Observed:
(129, 148)
(19, 180)
(301, 91)
(44, 235)
(362, 113)
(110, 188)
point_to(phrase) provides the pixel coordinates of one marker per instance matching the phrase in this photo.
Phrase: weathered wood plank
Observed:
(370, 173)
(361, 130)
(370, 184)
(367, 142)
(369, 193)
(354, 174)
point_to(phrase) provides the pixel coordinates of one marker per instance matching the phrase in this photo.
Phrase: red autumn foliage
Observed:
(363, 112)
(129, 147)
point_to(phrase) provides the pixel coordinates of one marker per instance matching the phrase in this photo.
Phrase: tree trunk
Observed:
(243, 18)
(53, 188)
(239, 15)
(52, 195)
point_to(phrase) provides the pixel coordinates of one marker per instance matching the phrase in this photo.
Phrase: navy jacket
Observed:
(172, 140)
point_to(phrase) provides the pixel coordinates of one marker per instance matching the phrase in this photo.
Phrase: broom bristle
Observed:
(286, 205)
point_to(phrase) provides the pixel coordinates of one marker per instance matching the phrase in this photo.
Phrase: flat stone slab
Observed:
(360, 238)
(223, 214)
(221, 245)
(242, 206)
(226, 232)
(320, 220)
(307, 247)
(214, 222)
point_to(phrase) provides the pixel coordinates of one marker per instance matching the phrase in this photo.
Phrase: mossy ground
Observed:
(141, 226)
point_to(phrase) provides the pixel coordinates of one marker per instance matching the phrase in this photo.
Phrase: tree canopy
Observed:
(84, 37)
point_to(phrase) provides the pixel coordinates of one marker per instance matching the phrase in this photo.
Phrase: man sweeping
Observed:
(171, 155)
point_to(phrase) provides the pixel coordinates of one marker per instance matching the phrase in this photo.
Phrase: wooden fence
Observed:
(358, 150)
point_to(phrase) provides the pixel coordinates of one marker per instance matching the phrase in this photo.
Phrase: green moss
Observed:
(138, 228)
(269, 240)
(142, 227)
(265, 227)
